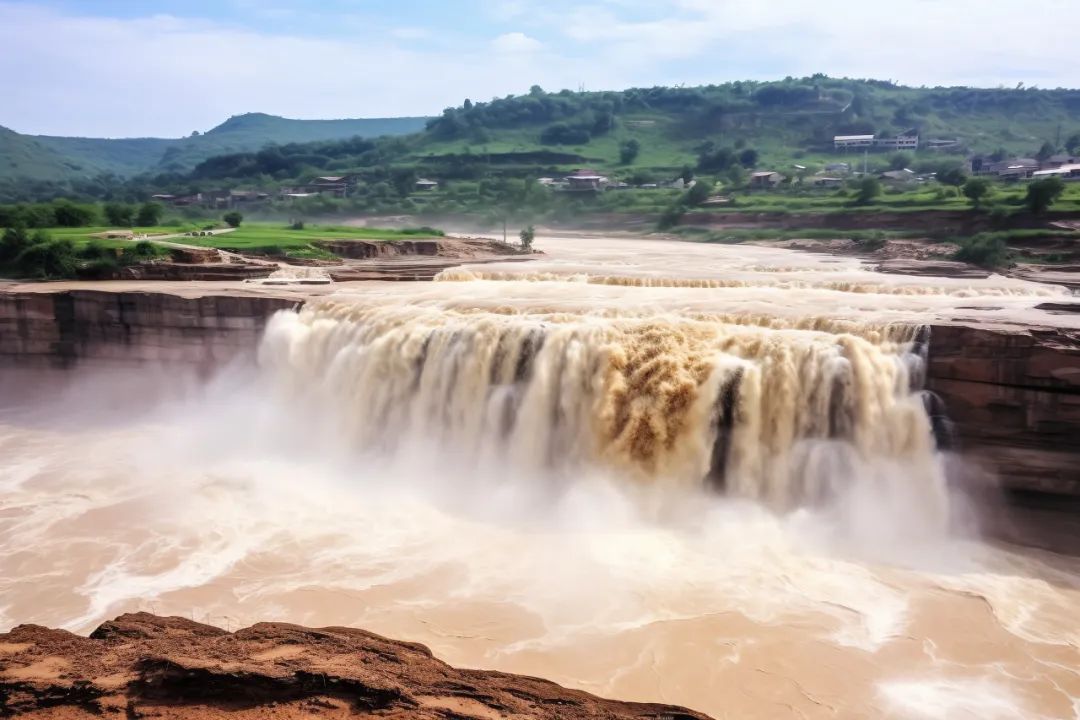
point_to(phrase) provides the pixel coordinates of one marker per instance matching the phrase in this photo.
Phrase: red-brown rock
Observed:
(143, 666)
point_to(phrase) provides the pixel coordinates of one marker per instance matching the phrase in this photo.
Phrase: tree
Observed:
(975, 189)
(699, 193)
(866, 190)
(748, 158)
(45, 258)
(527, 236)
(1041, 194)
(629, 150)
(119, 214)
(1045, 151)
(1072, 145)
(951, 175)
(14, 241)
(984, 250)
(687, 174)
(233, 219)
(899, 161)
(68, 214)
(149, 214)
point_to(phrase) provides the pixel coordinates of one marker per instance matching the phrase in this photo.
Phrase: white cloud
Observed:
(63, 73)
(515, 42)
(166, 76)
(411, 33)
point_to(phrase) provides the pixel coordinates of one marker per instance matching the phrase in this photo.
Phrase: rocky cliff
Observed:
(1013, 396)
(145, 666)
(69, 327)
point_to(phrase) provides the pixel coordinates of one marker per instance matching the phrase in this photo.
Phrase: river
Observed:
(696, 474)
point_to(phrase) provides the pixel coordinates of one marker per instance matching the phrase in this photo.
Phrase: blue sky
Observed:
(115, 68)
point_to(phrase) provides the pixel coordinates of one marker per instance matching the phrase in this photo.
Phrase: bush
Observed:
(983, 250)
(47, 259)
(104, 268)
(1041, 194)
(95, 250)
(233, 219)
(14, 241)
(143, 250)
(670, 217)
(296, 225)
(866, 190)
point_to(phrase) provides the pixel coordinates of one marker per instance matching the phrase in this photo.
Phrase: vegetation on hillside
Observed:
(654, 133)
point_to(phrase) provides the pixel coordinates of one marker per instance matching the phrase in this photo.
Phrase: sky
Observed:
(165, 68)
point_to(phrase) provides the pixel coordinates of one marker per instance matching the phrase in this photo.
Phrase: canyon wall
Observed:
(1013, 395)
(78, 327)
(1014, 398)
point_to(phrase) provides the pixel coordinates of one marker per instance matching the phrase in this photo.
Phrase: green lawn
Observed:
(261, 238)
(276, 239)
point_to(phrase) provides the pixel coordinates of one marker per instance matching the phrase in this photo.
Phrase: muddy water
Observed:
(521, 471)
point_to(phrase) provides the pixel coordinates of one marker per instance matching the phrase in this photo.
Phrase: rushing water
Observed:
(702, 475)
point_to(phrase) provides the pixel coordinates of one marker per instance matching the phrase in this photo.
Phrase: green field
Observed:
(257, 238)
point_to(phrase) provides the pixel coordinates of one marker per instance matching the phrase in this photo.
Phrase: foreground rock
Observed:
(142, 666)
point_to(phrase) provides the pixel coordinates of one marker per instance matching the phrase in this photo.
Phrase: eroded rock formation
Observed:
(141, 665)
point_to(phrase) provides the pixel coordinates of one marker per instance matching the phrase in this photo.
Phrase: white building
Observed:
(900, 142)
(1065, 172)
(845, 142)
(869, 142)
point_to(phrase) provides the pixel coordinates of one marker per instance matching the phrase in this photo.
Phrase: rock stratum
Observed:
(144, 666)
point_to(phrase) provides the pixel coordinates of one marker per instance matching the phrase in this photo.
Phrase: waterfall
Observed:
(786, 412)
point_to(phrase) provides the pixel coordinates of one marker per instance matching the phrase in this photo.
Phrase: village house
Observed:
(1064, 172)
(838, 167)
(897, 177)
(585, 180)
(1013, 169)
(765, 179)
(824, 181)
(425, 185)
(1059, 160)
(334, 185)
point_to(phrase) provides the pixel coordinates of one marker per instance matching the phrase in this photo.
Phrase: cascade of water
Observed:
(783, 415)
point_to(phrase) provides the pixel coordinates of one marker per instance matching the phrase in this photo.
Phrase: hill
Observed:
(57, 159)
(712, 128)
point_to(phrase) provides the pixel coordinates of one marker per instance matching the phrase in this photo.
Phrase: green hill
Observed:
(25, 157)
(767, 125)
(48, 158)
(255, 130)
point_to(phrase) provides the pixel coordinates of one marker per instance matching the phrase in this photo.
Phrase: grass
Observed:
(256, 238)
(279, 239)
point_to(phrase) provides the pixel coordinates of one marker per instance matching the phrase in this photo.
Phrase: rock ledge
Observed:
(143, 666)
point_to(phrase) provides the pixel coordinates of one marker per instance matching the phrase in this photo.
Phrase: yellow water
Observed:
(675, 488)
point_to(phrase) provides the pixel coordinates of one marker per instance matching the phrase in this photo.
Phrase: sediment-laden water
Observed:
(701, 475)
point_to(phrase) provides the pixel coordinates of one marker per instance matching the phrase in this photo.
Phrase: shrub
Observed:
(47, 259)
(1041, 194)
(233, 219)
(296, 225)
(983, 250)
